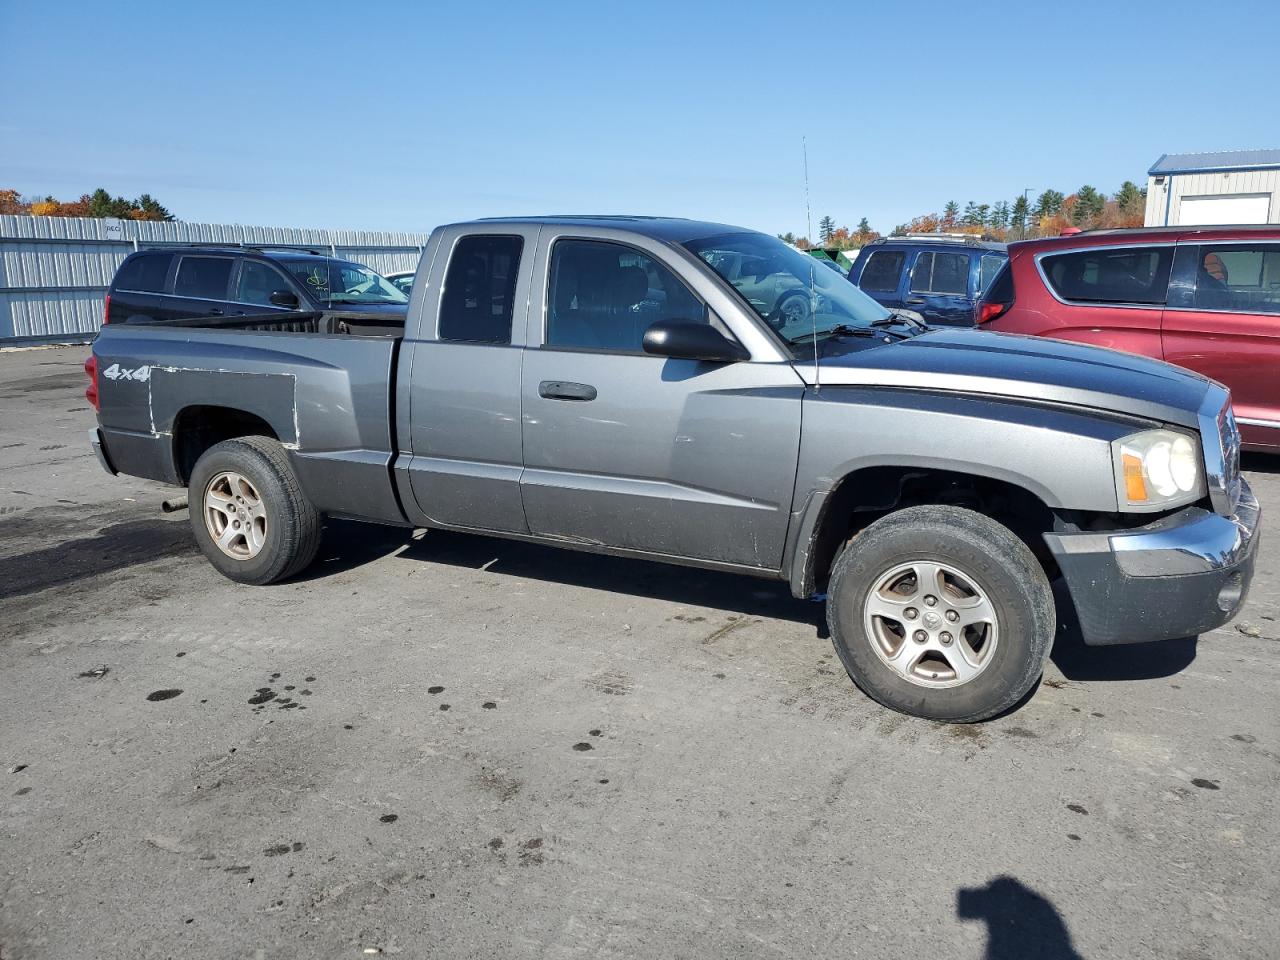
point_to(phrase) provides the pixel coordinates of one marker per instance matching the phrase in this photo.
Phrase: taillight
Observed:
(106, 310)
(989, 311)
(91, 391)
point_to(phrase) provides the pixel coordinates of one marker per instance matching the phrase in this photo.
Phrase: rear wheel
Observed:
(942, 613)
(249, 514)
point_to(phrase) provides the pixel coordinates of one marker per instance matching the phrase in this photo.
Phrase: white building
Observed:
(1193, 189)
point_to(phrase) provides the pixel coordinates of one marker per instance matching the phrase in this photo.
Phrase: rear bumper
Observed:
(1180, 576)
(100, 451)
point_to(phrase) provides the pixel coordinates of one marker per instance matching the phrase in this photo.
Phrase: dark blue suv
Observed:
(938, 275)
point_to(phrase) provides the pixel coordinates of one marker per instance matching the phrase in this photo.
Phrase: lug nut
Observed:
(944, 638)
(952, 616)
(930, 601)
(920, 636)
(911, 613)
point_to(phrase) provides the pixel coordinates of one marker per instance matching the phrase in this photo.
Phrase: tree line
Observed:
(1048, 215)
(832, 237)
(97, 204)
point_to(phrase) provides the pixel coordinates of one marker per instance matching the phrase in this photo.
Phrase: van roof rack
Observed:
(966, 238)
(233, 245)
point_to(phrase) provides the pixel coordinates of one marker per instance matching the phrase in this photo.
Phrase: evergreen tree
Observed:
(999, 216)
(1018, 215)
(950, 214)
(984, 214)
(1089, 206)
(1048, 204)
(1129, 198)
(826, 227)
(970, 218)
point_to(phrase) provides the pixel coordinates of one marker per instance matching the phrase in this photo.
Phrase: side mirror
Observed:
(692, 341)
(284, 298)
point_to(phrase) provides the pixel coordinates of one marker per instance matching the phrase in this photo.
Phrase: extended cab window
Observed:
(1110, 275)
(882, 271)
(1243, 278)
(946, 273)
(144, 273)
(204, 278)
(604, 296)
(478, 299)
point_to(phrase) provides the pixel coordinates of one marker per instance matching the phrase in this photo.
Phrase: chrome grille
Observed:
(1229, 433)
(1220, 443)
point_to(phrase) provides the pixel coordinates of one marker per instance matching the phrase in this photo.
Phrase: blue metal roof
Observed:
(1212, 162)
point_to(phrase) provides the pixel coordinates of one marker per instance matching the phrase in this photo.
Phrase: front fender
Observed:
(1061, 455)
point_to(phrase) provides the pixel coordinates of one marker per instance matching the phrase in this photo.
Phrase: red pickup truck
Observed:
(1205, 298)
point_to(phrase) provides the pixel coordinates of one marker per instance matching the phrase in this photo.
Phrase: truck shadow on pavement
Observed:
(1020, 922)
(348, 544)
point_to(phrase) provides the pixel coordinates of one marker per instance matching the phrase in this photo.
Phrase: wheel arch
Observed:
(832, 517)
(198, 427)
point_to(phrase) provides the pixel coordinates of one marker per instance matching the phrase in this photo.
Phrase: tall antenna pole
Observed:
(808, 216)
(813, 314)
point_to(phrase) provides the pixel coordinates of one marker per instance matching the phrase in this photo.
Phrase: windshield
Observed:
(791, 291)
(338, 281)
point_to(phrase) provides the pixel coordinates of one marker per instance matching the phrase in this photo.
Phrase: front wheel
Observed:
(249, 514)
(941, 613)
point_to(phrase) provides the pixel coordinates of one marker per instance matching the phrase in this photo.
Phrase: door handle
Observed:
(564, 390)
(915, 300)
(215, 312)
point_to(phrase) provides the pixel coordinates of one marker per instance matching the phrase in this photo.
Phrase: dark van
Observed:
(196, 283)
(940, 276)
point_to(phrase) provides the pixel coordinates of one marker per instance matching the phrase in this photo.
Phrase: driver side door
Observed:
(661, 456)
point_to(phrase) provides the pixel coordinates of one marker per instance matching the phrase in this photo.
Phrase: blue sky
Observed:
(403, 116)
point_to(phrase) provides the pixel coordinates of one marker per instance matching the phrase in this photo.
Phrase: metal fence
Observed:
(54, 271)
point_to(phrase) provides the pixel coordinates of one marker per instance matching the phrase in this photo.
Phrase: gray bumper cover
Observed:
(1180, 576)
(100, 451)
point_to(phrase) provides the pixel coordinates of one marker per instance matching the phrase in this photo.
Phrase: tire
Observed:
(245, 493)
(791, 308)
(986, 579)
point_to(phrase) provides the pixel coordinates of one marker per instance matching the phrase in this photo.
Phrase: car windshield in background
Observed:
(336, 281)
(790, 290)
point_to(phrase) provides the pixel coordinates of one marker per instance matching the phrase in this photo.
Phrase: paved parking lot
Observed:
(438, 746)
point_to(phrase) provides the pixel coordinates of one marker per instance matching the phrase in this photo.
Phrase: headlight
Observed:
(1158, 469)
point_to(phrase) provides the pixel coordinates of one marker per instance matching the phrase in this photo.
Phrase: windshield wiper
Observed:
(897, 318)
(839, 330)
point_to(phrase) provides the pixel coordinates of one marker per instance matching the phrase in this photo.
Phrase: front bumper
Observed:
(1180, 576)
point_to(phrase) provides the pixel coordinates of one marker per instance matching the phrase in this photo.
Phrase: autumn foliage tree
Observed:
(1086, 209)
(97, 204)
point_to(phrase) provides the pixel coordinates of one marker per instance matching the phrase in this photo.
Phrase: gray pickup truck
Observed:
(637, 386)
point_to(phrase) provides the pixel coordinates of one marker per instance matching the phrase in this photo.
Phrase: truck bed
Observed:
(333, 322)
(327, 397)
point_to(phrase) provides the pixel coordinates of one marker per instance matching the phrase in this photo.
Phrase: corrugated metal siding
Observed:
(54, 271)
(1167, 196)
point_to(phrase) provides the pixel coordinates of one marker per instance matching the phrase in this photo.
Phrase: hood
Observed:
(1032, 368)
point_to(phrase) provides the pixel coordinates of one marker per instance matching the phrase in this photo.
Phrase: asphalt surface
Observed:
(440, 746)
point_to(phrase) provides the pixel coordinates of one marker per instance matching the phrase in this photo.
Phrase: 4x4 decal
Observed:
(116, 372)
